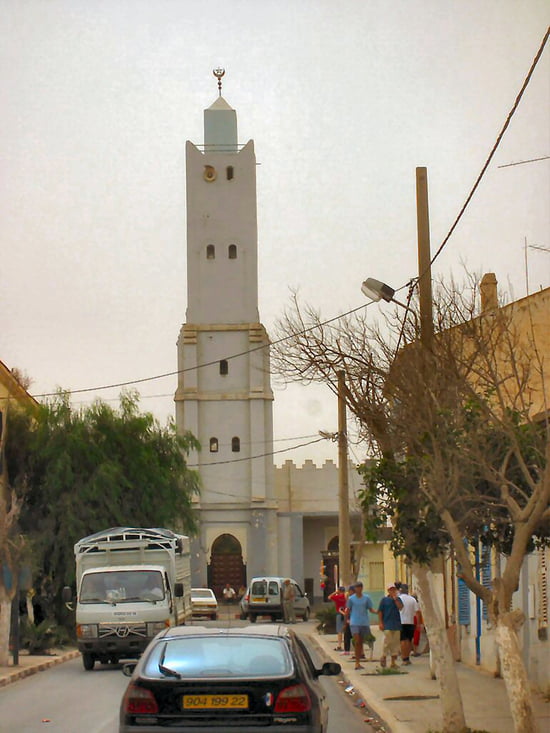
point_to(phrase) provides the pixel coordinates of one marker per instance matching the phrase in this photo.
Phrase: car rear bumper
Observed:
(113, 646)
(264, 608)
(222, 727)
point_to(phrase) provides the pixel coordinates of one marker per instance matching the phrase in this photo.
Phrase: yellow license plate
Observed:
(215, 702)
(259, 600)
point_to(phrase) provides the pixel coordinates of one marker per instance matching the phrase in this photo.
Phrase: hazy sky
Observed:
(343, 100)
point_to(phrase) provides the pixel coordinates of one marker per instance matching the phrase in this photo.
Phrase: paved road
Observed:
(67, 699)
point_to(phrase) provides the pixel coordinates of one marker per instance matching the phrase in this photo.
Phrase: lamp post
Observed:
(377, 290)
(343, 490)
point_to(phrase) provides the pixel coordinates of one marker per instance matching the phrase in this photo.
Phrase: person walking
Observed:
(358, 607)
(338, 597)
(289, 594)
(347, 631)
(407, 614)
(389, 621)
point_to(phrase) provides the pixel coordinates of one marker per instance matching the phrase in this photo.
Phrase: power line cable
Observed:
(522, 162)
(251, 458)
(495, 146)
(208, 363)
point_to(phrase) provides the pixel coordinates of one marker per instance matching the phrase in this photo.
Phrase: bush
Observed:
(326, 618)
(37, 639)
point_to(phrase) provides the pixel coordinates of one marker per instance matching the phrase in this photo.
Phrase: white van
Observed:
(264, 597)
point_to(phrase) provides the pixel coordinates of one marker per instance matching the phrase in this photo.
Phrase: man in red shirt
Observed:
(339, 600)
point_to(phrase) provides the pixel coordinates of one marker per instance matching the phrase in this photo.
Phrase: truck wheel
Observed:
(306, 615)
(88, 661)
(252, 618)
(274, 617)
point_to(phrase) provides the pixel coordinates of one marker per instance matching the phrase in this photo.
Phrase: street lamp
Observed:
(376, 290)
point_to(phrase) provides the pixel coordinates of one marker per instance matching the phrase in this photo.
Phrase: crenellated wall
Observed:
(312, 489)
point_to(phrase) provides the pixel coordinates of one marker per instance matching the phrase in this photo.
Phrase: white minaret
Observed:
(224, 394)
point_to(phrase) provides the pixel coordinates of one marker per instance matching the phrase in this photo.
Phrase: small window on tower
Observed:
(229, 172)
(235, 445)
(210, 252)
(224, 367)
(232, 251)
(213, 445)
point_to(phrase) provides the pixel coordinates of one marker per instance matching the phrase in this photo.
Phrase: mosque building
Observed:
(254, 519)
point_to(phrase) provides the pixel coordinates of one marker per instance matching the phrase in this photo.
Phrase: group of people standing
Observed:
(396, 618)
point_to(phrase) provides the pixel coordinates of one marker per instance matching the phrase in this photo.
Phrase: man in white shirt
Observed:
(229, 593)
(407, 612)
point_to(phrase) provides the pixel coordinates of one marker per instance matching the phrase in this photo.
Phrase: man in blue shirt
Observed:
(390, 623)
(357, 608)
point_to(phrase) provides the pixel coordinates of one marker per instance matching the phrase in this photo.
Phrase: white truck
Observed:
(131, 583)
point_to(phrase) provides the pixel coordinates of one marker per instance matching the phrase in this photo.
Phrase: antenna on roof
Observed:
(218, 73)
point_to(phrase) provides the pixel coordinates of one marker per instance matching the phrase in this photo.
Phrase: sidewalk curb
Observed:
(19, 674)
(382, 712)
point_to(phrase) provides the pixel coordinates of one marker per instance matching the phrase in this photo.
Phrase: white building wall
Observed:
(532, 597)
(222, 212)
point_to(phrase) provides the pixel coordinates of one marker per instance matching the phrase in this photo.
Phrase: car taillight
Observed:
(137, 701)
(247, 597)
(293, 699)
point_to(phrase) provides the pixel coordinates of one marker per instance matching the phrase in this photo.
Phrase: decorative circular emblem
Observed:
(123, 631)
(210, 173)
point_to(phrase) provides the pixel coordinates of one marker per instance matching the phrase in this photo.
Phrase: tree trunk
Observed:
(5, 614)
(514, 672)
(452, 709)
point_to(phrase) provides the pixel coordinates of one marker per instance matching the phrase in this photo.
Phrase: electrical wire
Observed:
(495, 146)
(251, 458)
(208, 363)
(522, 162)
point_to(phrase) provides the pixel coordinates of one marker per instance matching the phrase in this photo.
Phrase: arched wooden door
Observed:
(226, 565)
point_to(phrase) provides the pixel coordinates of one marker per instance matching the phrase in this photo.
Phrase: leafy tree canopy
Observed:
(81, 471)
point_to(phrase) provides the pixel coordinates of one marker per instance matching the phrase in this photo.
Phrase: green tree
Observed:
(81, 471)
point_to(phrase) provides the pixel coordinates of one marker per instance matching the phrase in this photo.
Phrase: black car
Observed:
(198, 679)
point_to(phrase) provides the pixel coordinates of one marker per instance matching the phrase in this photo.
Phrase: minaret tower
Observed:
(224, 394)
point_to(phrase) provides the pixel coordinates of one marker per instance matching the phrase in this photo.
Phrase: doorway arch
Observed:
(226, 564)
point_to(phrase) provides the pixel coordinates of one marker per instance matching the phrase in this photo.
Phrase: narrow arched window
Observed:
(229, 172)
(224, 367)
(210, 252)
(213, 445)
(235, 444)
(232, 251)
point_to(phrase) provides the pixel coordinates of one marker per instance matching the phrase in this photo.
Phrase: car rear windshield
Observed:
(219, 656)
(264, 588)
(202, 594)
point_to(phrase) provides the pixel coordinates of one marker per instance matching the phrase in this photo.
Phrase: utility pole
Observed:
(343, 490)
(424, 258)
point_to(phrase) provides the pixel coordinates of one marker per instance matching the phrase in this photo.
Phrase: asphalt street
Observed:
(67, 699)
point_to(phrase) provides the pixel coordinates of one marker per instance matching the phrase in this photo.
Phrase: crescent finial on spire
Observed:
(218, 73)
